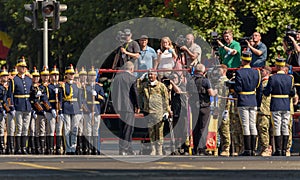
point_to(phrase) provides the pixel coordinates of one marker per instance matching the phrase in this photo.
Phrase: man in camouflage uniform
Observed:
(156, 102)
(264, 123)
(223, 119)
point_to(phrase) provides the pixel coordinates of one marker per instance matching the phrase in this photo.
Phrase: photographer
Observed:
(230, 52)
(192, 51)
(130, 49)
(259, 51)
(294, 50)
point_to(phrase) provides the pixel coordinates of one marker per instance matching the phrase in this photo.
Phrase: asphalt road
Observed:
(147, 167)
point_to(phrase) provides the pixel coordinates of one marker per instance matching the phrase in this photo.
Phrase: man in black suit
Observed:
(125, 102)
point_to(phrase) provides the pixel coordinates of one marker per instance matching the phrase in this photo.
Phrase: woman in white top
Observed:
(166, 56)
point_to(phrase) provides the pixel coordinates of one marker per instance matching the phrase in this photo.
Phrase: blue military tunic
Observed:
(3, 98)
(52, 97)
(71, 98)
(248, 86)
(99, 98)
(19, 93)
(280, 86)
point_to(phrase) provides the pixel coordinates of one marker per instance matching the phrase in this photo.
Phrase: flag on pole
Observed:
(5, 42)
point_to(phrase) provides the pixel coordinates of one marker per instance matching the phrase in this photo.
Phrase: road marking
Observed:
(164, 163)
(34, 165)
(185, 165)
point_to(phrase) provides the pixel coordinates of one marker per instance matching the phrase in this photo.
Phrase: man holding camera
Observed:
(230, 52)
(291, 45)
(192, 51)
(258, 50)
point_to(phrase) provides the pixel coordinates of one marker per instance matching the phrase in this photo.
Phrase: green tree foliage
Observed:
(86, 19)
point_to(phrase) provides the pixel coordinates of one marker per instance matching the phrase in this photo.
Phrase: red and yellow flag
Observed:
(5, 42)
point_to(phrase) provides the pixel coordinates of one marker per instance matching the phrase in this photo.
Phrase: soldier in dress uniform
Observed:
(281, 87)
(72, 98)
(82, 85)
(248, 88)
(50, 113)
(94, 99)
(18, 98)
(55, 124)
(10, 148)
(38, 121)
(3, 106)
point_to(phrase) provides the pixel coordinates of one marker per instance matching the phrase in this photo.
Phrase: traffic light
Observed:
(57, 18)
(48, 8)
(34, 18)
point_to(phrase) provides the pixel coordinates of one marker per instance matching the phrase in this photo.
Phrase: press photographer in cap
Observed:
(248, 88)
(281, 88)
(130, 49)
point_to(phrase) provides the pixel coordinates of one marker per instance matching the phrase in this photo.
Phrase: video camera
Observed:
(243, 42)
(290, 32)
(213, 42)
(121, 37)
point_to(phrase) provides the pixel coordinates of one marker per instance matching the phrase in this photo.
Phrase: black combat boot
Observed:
(42, 144)
(277, 146)
(18, 145)
(85, 147)
(247, 146)
(284, 144)
(253, 145)
(23, 145)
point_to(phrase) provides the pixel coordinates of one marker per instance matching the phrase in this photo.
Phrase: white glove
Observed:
(225, 114)
(53, 112)
(13, 113)
(166, 115)
(38, 94)
(61, 117)
(34, 115)
(94, 93)
(143, 76)
(4, 114)
(56, 90)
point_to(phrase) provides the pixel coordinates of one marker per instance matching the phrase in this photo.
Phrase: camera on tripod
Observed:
(289, 32)
(243, 41)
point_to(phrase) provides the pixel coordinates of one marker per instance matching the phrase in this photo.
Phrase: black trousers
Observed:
(201, 127)
(126, 125)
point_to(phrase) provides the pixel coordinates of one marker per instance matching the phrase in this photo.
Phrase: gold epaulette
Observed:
(36, 85)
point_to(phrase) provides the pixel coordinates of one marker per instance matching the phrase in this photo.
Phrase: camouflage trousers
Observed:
(236, 131)
(224, 132)
(155, 128)
(265, 130)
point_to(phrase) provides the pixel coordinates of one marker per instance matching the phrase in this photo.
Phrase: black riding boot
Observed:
(59, 150)
(247, 146)
(277, 146)
(96, 151)
(23, 145)
(284, 144)
(18, 145)
(37, 145)
(253, 145)
(50, 145)
(31, 145)
(42, 144)
(10, 149)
